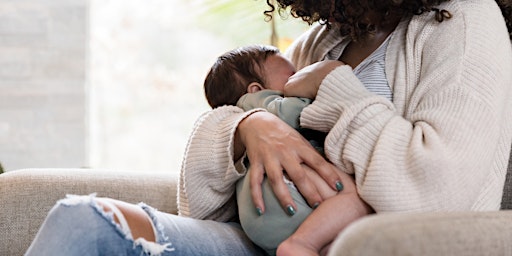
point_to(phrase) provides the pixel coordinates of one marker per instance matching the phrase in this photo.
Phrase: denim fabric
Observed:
(78, 226)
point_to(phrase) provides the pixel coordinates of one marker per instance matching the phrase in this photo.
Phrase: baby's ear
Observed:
(254, 87)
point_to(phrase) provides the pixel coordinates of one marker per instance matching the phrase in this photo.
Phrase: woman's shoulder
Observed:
(312, 45)
(474, 11)
(463, 22)
(478, 6)
(471, 14)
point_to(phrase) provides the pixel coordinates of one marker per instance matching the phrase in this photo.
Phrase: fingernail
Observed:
(290, 210)
(316, 205)
(259, 211)
(339, 186)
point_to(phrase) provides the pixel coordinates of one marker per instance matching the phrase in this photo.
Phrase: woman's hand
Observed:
(305, 82)
(273, 147)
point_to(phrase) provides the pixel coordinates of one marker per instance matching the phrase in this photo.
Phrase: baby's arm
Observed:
(287, 109)
(320, 228)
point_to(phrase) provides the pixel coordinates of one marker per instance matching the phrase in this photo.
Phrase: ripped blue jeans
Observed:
(78, 225)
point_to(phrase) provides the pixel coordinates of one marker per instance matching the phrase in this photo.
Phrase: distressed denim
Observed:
(79, 226)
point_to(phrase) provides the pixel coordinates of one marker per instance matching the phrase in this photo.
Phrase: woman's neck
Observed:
(359, 50)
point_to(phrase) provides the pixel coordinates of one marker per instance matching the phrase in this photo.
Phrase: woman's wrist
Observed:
(339, 90)
(239, 139)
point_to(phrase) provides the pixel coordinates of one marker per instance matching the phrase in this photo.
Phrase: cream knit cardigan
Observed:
(441, 145)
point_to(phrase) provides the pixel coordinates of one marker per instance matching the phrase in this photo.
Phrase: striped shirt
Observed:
(371, 71)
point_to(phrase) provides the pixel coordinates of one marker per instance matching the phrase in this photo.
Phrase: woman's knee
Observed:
(80, 224)
(131, 218)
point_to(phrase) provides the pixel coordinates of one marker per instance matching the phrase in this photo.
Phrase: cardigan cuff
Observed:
(339, 90)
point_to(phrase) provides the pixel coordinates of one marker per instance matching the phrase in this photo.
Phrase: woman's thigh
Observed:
(80, 226)
(189, 236)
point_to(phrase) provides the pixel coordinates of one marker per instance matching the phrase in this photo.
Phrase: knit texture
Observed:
(208, 174)
(442, 145)
(506, 201)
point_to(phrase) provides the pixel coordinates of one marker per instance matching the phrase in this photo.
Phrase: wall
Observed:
(43, 99)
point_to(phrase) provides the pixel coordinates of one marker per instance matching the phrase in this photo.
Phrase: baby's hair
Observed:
(350, 14)
(233, 71)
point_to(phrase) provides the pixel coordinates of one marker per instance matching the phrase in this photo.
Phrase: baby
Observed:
(254, 77)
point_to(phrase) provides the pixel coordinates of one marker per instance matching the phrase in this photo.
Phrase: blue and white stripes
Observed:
(371, 71)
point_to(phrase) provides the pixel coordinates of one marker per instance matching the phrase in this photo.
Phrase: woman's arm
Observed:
(211, 166)
(213, 162)
(443, 145)
(273, 146)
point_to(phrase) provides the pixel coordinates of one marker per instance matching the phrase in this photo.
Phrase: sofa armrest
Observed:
(463, 233)
(27, 195)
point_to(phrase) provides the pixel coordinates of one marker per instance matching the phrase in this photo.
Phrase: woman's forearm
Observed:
(441, 134)
(213, 137)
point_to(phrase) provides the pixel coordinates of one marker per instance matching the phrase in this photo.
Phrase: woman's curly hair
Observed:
(350, 14)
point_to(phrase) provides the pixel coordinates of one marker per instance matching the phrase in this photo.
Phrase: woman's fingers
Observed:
(323, 188)
(276, 179)
(256, 175)
(305, 154)
(274, 147)
(310, 161)
(326, 170)
(297, 173)
(269, 165)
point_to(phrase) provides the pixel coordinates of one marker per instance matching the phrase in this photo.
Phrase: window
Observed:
(148, 60)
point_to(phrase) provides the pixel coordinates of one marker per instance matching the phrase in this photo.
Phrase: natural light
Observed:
(148, 60)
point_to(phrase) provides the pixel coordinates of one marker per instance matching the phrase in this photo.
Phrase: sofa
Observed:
(27, 195)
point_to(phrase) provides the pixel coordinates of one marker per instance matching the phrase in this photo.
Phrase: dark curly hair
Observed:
(350, 14)
(229, 76)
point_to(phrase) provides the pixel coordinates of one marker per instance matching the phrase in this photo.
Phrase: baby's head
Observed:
(244, 70)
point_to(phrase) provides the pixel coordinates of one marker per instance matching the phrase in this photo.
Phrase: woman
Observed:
(441, 144)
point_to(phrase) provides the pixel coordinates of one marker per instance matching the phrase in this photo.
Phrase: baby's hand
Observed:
(305, 82)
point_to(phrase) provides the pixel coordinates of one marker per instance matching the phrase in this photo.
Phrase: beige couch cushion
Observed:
(26, 196)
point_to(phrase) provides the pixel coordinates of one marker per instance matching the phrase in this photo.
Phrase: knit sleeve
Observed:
(208, 173)
(443, 145)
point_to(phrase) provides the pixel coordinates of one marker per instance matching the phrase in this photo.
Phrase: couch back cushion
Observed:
(506, 201)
